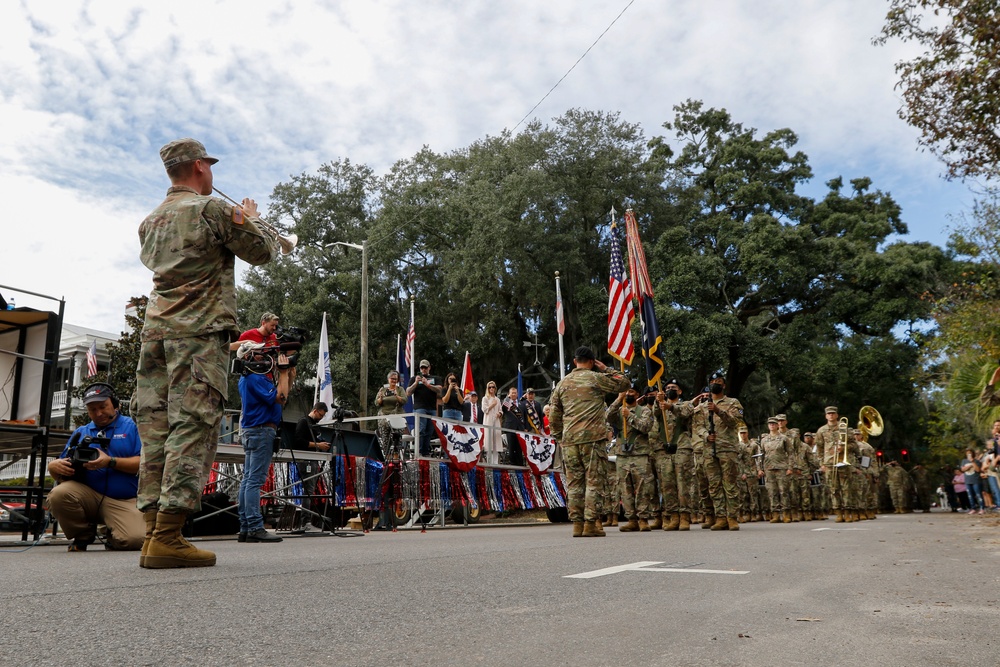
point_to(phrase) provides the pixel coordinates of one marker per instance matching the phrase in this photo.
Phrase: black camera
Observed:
(338, 412)
(291, 340)
(83, 450)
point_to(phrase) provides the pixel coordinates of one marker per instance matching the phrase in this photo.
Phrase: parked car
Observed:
(12, 514)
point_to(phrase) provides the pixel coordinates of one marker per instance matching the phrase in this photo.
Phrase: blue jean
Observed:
(995, 490)
(975, 492)
(426, 431)
(258, 445)
(452, 414)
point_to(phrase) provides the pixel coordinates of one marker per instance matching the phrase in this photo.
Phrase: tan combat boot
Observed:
(577, 529)
(848, 516)
(786, 517)
(840, 516)
(590, 529)
(657, 522)
(721, 523)
(631, 527)
(857, 515)
(709, 521)
(685, 523)
(150, 518)
(169, 549)
(599, 526)
(733, 523)
(643, 526)
(775, 517)
(759, 516)
(675, 522)
(611, 521)
(796, 516)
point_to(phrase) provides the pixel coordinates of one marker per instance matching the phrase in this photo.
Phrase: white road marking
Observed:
(816, 530)
(646, 566)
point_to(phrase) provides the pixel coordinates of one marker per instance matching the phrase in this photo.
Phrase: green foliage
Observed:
(802, 302)
(124, 359)
(951, 91)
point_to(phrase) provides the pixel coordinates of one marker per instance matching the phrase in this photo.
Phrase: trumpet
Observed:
(286, 243)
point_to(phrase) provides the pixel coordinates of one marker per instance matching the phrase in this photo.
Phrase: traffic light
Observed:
(906, 456)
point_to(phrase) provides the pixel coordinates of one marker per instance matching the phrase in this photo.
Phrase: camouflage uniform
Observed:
(899, 486)
(867, 480)
(721, 467)
(190, 243)
(925, 487)
(749, 498)
(578, 424)
(675, 472)
(838, 479)
(635, 474)
(801, 476)
(777, 462)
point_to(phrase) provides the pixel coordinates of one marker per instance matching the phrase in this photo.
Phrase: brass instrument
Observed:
(842, 440)
(286, 243)
(870, 422)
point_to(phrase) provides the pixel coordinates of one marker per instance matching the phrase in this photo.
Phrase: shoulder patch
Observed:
(237, 215)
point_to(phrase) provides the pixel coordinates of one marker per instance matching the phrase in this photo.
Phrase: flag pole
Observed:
(413, 345)
(561, 327)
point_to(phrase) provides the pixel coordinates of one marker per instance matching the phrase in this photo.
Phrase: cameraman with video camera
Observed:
(97, 474)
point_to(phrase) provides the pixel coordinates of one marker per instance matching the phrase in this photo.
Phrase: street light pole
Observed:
(363, 390)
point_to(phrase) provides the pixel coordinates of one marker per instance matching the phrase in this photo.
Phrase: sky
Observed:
(89, 92)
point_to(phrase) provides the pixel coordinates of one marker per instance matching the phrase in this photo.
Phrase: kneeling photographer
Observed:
(97, 477)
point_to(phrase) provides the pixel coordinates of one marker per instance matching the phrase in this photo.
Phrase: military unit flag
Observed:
(651, 339)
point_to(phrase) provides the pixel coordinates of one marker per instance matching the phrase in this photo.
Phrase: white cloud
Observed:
(90, 91)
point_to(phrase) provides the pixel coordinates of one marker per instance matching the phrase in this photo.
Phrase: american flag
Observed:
(651, 339)
(411, 339)
(620, 313)
(92, 359)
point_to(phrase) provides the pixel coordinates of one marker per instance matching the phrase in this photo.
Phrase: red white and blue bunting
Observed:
(539, 451)
(462, 443)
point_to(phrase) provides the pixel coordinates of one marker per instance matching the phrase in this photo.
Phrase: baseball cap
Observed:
(97, 393)
(424, 362)
(184, 150)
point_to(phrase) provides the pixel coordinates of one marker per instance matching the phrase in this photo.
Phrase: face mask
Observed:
(630, 400)
(716, 388)
(672, 394)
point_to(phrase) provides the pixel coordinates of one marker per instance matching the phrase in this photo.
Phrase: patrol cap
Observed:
(781, 417)
(423, 363)
(772, 420)
(831, 409)
(97, 393)
(180, 151)
(673, 381)
(808, 434)
(743, 429)
(584, 353)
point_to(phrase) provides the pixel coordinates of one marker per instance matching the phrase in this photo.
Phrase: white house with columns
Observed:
(72, 368)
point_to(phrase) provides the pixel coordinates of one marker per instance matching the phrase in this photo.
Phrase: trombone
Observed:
(286, 243)
(869, 423)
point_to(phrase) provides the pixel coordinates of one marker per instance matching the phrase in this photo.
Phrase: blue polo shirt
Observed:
(260, 401)
(124, 444)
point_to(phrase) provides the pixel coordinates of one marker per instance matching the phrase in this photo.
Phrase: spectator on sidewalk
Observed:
(973, 483)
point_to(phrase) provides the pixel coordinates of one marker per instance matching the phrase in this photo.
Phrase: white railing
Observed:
(59, 401)
(20, 469)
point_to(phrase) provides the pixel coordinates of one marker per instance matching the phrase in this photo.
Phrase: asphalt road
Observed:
(916, 589)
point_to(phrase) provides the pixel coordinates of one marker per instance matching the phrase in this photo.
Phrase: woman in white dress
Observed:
(491, 420)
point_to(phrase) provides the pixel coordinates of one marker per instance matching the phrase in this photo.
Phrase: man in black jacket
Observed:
(470, 409)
